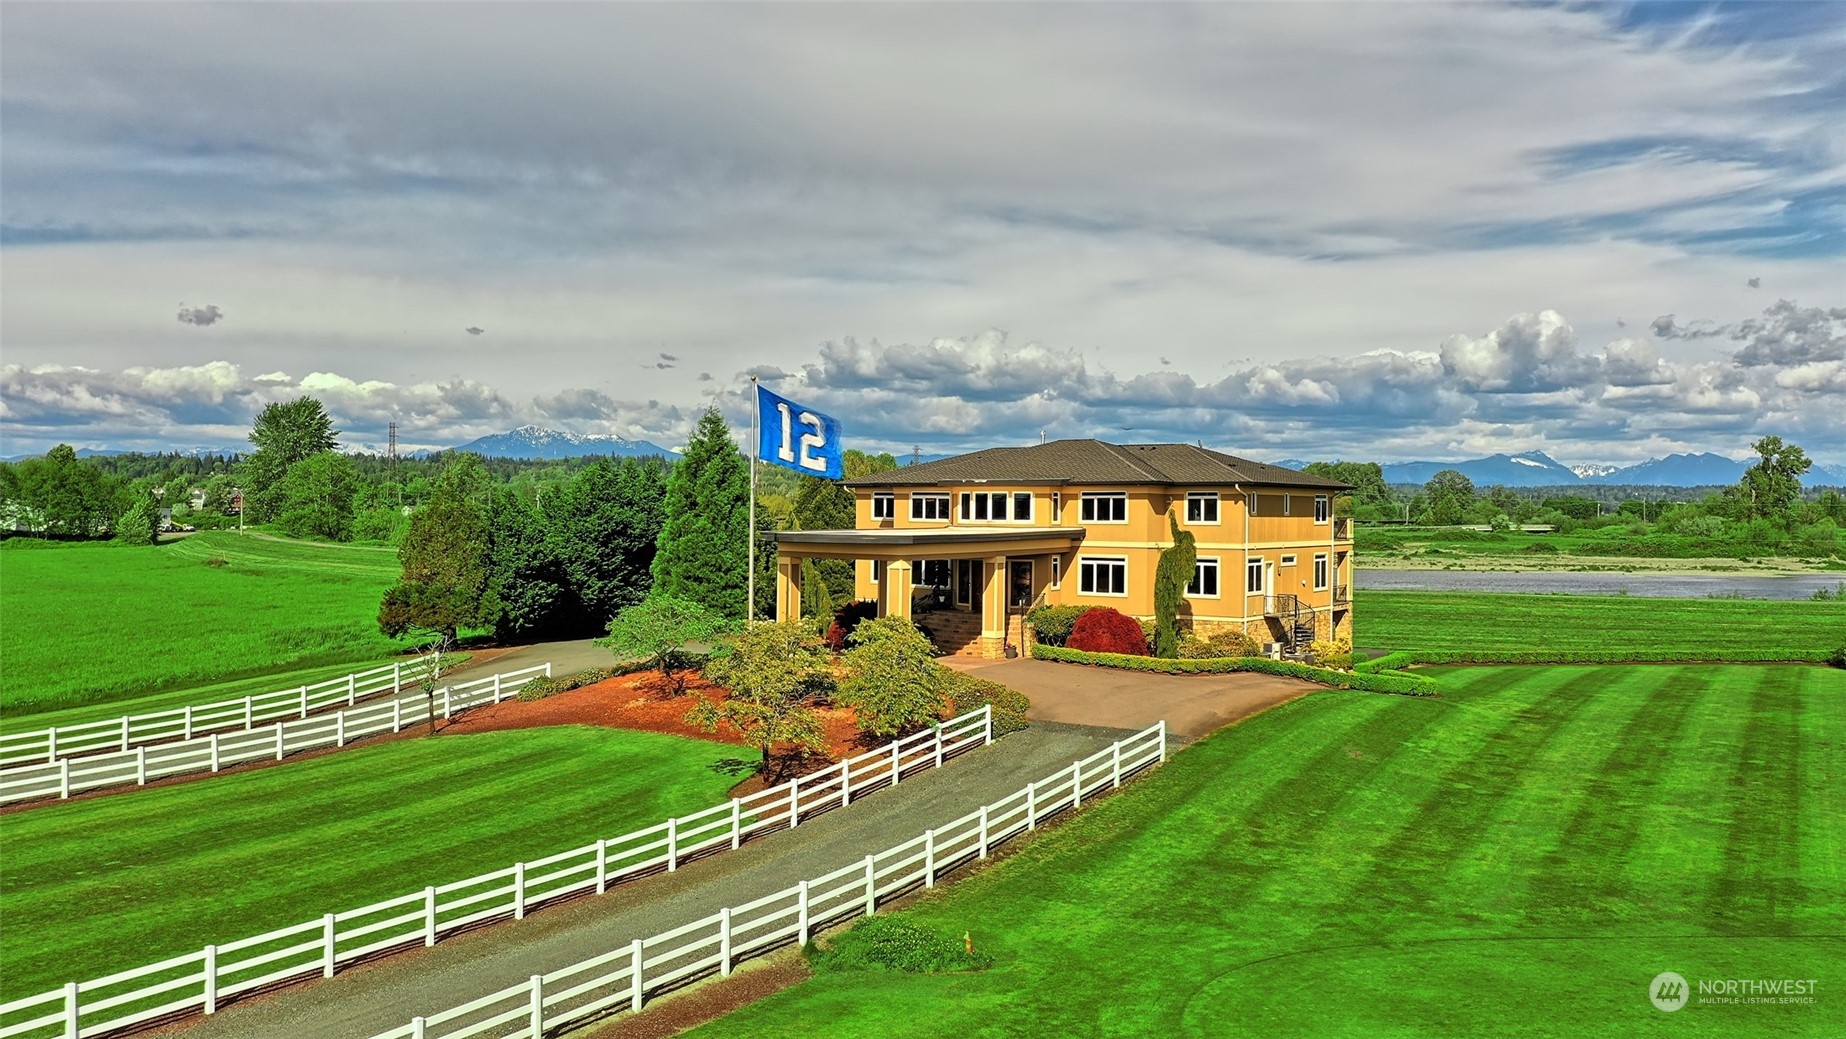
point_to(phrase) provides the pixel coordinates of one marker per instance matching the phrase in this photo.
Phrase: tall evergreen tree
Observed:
(445, 556)
(284, 434)
(703, 551)
(605, 526)
(526, 587)
(315, 497)
(1171, 576)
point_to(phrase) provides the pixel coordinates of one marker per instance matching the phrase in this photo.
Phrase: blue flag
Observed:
(797, 438)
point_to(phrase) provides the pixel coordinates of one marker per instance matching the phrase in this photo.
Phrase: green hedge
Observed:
(967, 693)
(1397, 682)
(1618, 656)
(1388, 662)
(539, 688)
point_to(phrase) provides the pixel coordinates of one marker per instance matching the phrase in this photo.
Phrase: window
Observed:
(878, 570)
(1105, 507)
(1022, 506)
(1204, 579)
(1285, 500)
(1320, 572)
(1202, 507)
(985, 505)
(884, 506)
(1321, 509)
(1250, 502)
(1253, 577)
(1057, 508)
(1102, 576)
(929, 506)
(1287, 561)
(1057, 569)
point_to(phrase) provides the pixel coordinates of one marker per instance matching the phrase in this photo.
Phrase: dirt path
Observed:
(370, 999)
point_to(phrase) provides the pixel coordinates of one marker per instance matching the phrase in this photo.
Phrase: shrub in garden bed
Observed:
(1103, 630)
(893, 943)
(539, 688)
(967, 693)
(1052, 624)
(1226, 643)
(1388, 662)
(848, 617)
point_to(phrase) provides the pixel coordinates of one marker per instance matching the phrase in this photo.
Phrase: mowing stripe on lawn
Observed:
(1760, 883)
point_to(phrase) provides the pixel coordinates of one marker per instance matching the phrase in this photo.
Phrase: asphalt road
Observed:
(382, 995)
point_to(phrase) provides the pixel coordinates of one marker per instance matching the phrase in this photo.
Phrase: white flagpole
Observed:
(756, 418)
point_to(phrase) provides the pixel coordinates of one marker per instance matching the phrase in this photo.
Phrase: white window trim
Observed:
(1323, 510)
(889, 501)
(1287, 500)
(1217, 508)
(1254, 567)
(1057, 572)
(916, 503)
(1092, 561)
(1089, 496)
(1322, 571)
(878, 565)
(1031, 507)
(1286, 561)
(1249, 502)
(1057, 508)
(1217, 564)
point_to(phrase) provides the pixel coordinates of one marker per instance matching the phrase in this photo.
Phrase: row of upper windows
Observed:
(1094, 506)
(1109, 575)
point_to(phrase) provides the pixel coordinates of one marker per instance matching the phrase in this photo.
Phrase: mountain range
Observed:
(1538, 469)
(538, 442)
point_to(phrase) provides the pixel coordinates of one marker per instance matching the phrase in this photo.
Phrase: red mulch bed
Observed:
(642, 701)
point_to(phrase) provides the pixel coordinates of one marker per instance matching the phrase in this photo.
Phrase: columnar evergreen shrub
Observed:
(1105, 630)
(1171, 577)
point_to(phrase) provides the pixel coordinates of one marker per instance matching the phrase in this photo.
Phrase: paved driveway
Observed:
(1193, 705)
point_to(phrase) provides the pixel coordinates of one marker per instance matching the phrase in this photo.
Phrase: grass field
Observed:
(93, 622)
(1613, 547)
(1520, 857)
(102, 885)
(1483, 625)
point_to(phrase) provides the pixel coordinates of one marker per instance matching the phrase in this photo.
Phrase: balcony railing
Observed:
(1342, 529)
(1342, 593)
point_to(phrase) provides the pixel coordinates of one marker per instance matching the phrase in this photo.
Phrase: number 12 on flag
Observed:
(797, 438)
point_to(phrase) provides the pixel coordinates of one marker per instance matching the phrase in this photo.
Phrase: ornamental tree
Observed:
(657, 631)
(775, 673)
(1174, 573)
(893, 682)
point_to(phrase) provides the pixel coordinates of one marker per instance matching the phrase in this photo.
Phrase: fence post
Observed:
(938, 746)
(929, 858)
(724, 942)
(1032, 805)
(339, 728)
(397, 714)
(547, 669)
(983, 831)
(64, 778)
(1163, 741)
(445, 703)
(1116, 764)
(429, 916)
(211, 979)
(397, 677)
(124, 733)
(326, 967)
(140, 766)
(845, 782)
(249, 713)
(280, 736)
(987, 724)
(538, 1005)
(352, 690)
(801, 911)
(496, 689)
(71, 1028)
(214, 744)
(672, 845)
(794, 805)
(897, 758)
(51, 744)
(737, 824)
(871, 886)
(304, 701)
(519, 891)
(602, 866)
(186, 734)
(1076, 785)
(417, 1028)
(634, 1002)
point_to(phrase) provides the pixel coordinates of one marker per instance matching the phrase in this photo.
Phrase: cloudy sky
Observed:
(1370, 231)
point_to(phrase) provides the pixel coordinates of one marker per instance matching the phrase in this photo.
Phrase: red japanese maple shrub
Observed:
(1107, 631)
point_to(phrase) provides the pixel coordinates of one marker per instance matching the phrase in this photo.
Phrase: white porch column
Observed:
(993, 607)
(788, 586)
(897, 588)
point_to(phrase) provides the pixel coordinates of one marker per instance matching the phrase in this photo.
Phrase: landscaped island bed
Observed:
(1539, 628)
(177, 867)
(91, 622)
(1518, 857)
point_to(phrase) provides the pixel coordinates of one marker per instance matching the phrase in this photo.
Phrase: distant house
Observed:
(996, 533)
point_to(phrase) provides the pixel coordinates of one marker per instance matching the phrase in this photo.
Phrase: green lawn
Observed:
(1506, 626)
(1519, 857)
(95, 622)
(98, 886)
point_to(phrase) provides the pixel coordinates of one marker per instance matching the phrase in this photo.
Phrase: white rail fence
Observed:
(219, 750)
(623, 979)
(183, 723)
(204, 980)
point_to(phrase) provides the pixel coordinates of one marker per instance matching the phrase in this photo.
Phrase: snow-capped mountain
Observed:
(1527, 469)
(1678, 470)
(1591, 470)
(538, 442)
(1291, 463)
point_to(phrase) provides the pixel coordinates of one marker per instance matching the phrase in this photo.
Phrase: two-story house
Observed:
(980, 539)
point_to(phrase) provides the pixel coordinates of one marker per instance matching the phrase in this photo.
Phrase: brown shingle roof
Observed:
(1096, 462)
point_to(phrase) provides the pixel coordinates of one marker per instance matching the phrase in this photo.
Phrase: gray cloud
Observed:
(1755, 283)
(201, 316)
(474, 330)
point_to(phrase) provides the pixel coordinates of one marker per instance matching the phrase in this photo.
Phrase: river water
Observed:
(1658, 586)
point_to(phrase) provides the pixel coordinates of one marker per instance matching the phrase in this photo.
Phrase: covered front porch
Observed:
(957, 575)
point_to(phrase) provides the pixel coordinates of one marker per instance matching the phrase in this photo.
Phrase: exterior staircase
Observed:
(955, 633)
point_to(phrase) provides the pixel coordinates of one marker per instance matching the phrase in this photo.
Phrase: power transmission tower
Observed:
(916, 454)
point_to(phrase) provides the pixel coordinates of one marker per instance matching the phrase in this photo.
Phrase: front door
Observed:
(1019, 583)
(968, 583)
